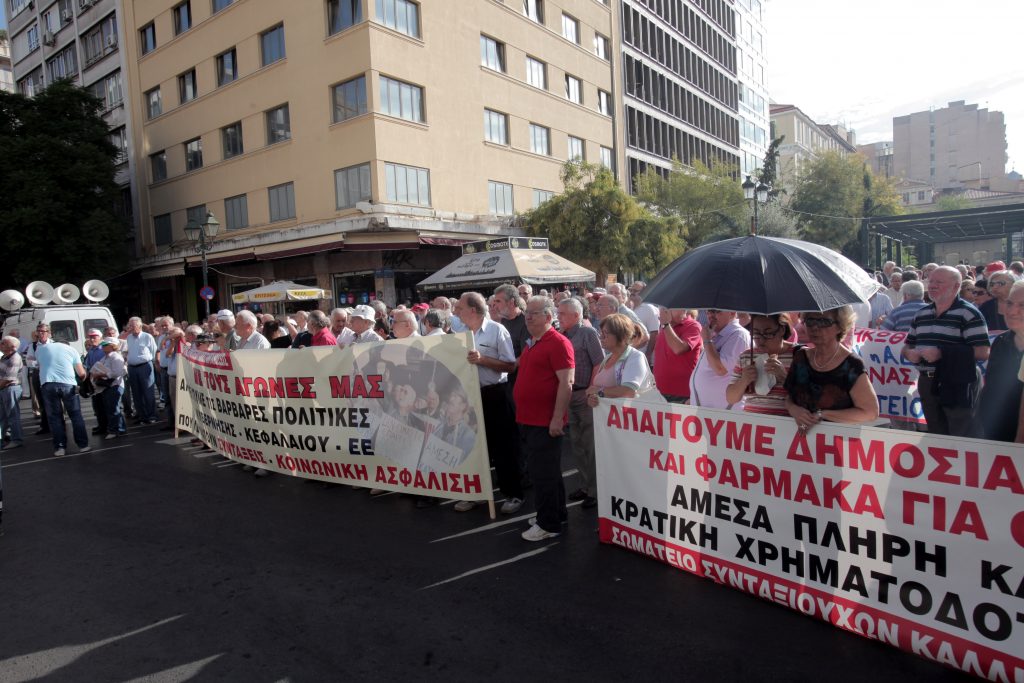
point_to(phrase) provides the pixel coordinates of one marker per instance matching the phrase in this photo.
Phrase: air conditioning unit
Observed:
(48, 38)
(111, 40)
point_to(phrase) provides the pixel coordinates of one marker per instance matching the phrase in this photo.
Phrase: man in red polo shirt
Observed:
(542, 393)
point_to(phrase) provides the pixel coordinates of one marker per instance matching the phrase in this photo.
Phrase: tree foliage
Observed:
(833, 194)
(595, 223)
(769, 171)
(949, 202)
(57, 176)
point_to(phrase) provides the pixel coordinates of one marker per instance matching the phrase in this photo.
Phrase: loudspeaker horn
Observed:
(39, 293)
(95, 290)
(11, 300)
(67, 293)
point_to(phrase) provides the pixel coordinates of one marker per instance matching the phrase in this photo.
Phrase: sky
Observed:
(863, 62)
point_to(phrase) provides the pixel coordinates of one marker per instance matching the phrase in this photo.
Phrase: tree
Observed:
(595, 223)
(833, 194)
(58, 222)
(709, 201)
(950, 202)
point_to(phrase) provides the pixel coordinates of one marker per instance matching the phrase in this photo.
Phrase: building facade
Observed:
(754, 121)
(353, 144)
(6, 72)
(804, 140)
(956, 146)
(879, 156)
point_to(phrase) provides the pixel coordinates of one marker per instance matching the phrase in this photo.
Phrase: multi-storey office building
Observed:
(349, 143)
(752, 73)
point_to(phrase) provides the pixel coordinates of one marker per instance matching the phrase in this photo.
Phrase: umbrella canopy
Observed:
(280, 290)
(533, 266)
(765, 275)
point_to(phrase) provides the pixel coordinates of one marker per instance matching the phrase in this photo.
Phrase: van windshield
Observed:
(65, 331)
(96, 324)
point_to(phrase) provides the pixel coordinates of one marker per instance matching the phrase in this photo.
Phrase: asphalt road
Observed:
(151, 560)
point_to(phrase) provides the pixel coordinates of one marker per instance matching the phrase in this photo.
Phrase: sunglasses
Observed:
(820, 323)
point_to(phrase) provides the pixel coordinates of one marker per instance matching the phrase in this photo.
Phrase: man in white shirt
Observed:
(361, 321)
(404, 325)
(140, 351)
(724, 341)
(248, 337)
(340, 327)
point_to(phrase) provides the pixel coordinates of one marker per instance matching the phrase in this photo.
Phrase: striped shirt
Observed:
(962, 323)
(902, 316)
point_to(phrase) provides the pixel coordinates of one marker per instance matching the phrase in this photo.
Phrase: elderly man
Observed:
(140, 352)
(621, 295)
(10, 393)
(586, 348)
(676, 353)
(59, 371)
(542, 395)
(319, 327)
(38, 409)
(162, 326)
(893, 290)
(887, 270)
(303, 334)
(168, 356)
(93, 355)
(420, 310)
(902, 316)
(435, 323)
(724, 340)
(228, 340)
(404, 325)
(361, 320)
(340, 327)
(494, 359)
(525, 291)
(108, 376)
(507, 300)
(443, 303)
(248, 336)
(945, 339)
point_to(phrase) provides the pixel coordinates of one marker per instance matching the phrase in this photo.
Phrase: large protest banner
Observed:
(403, 415)
(911, 539)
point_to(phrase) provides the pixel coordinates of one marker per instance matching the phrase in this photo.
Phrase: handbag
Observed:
(85, 388)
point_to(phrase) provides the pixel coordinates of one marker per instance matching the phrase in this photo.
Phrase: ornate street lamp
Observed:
(758, 194)
(202, 234)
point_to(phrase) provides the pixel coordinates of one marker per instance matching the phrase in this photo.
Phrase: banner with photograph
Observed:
(402, 415)
(911, 539)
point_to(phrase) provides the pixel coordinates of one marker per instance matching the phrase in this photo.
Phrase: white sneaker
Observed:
(535, 533)
(511, 506)
(465, 505)
(261, 473)
(85, 449)
(109, 437)
(377, 492)
(59, 452)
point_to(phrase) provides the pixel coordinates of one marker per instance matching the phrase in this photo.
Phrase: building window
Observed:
(604, 103)
(119, 139)
(495, 127)
(158, 165)
(401, 15)
(272, 45)
(187, 86)
(64, 65)
(218, 5)
(147, 36)
(534, 9)
(108, 90)
(154, 105)
(573, 89)
(540, 140)
(282, 202)
(193, 154)
(541, 196)
(492, 54)
(601, 46)
(231, 136)
(403, 100)
(606, 157)
(279, 126)
(349, 99)
(499, 198)
(536, 73)
(407, 184)
(182, 17)
(351, 185)
(576, 149)
(227, 67)
(236, 212)
(195, 214)
(341, 14)
(101, 40)
(570, 28)
(162, 229)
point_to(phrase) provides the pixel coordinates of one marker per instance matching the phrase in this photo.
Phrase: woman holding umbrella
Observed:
(771, 338)
(827, 382)
(1000, 400)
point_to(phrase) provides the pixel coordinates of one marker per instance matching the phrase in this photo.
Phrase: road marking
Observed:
(64, 457)
(496, 525)
(488, 567)
(200, 455)
(222, 465)
(175, 442)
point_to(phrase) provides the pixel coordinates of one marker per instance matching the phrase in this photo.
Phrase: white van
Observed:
(68, 324)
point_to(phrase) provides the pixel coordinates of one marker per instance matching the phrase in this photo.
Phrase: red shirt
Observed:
(324, 337)
(672, 370)
(537, 381)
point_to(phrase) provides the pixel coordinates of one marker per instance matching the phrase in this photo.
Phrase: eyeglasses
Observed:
(766, 334)
(821, 323)
(997, 283)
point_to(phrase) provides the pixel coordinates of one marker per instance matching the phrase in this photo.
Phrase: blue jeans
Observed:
(10, 412)
(141, 378)
(111, 398)
(56, 395)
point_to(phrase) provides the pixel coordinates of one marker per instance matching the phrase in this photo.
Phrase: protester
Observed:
(999, 404)
(362, 320)
(225, 323)
(59, 366)
(588, 354)
(624, 370)
(319, 327)
(173, 346)
(762, 391)
(435, 322)
(404, 325)
(945, 339)
(893, 291)
(277, 335)
(724, 340)
(510, 306)
(542, 395)
(380, 320)
(108, 377)
(999, 283)
(828, 382)
(903, 315)
(10, 395)
(676, 352)
(248, 338)
(618, 291)
(94, 354)
(38, 409)
(141, 350)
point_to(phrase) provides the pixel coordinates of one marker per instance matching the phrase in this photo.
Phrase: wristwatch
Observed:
(664, 325)
(600, 393)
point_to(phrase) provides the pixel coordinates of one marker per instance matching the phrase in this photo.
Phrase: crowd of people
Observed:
(546, 360)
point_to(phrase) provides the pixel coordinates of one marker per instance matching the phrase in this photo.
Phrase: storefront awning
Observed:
(486, 268)
(176, 270)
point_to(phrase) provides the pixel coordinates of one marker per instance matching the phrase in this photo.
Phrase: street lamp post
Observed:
(202, 234)
(758, 193)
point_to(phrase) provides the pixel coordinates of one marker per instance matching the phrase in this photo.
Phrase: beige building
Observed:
(879, 157)
(804, 140)
(352, 144)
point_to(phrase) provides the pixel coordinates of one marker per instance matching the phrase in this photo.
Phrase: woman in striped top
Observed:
(771, 337)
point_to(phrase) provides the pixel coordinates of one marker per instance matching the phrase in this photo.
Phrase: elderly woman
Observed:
(624, 370)
(1000, 400)
(765, 396)
(828, 382)
(999, 284)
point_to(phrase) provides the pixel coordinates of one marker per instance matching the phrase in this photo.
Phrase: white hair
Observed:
(11, 339)
(247, 317)
(575, 305)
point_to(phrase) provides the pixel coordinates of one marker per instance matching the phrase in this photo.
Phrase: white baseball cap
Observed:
(365, 312)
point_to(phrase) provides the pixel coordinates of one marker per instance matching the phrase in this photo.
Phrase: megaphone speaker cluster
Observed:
(39, 293)
(66, 294)
(11, 300)
(95, 290)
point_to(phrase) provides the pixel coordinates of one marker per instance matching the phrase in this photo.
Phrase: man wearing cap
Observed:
(59, 371)
(226, 327)
(141, 350)
(93, 355)
(108, 378)
(248, 337)
(420, 310)
(361, 321)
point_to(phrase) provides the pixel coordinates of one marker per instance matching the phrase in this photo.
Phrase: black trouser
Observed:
(544, 458)
(99, 406)
(502, 441)
(955, 421)
(37, 398)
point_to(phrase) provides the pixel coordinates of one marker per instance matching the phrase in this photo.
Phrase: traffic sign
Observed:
(206, 293)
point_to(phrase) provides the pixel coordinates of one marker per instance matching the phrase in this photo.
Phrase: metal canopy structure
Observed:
(924, 230)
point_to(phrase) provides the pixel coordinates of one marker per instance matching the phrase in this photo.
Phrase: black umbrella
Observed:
(764, 275)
